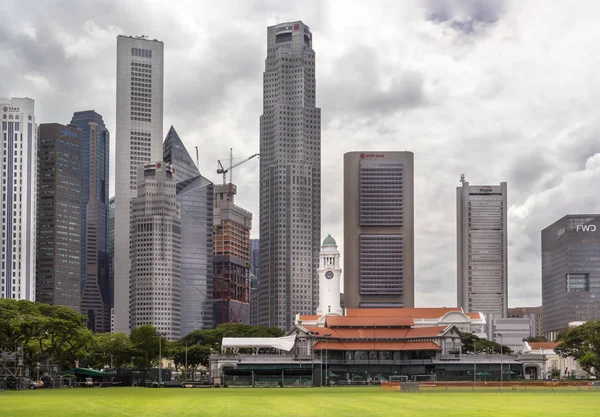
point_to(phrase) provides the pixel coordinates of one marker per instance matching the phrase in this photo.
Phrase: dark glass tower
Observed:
(570, 272)
(58, 243)
(195, 196)
(95, 280)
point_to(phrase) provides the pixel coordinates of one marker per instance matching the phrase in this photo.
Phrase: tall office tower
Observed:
(254, 282)
(95, 146)
(58, 260)
(290, 178)
(379, 248)
(195, 196)
(111, 251)
(156, 252)
(570, 272)
(18, 146)
(481, 219)
(231, 261)
(138, 142)
(255, 257)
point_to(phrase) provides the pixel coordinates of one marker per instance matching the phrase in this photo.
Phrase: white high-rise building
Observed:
(290, 178)
(330, 273)
(482, 262)
(138, 139)
(18, 147)
(156, 266)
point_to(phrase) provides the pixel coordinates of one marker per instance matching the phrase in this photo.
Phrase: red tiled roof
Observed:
(371, 321)
(475, 316)
(375, 333)
(425, 331)
(394, 346)
(310, 318)
(417, 313)
(543, 345)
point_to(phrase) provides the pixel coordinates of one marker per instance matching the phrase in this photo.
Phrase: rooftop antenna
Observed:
(197, 158)
(462, 178)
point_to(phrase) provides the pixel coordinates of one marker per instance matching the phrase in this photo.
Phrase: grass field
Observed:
(291, 402)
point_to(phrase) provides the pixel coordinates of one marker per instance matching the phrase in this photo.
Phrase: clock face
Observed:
(329, 274)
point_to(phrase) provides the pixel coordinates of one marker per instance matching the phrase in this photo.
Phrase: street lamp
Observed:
(326, 372)
(159, 358)
(474, 364)
(501, 363)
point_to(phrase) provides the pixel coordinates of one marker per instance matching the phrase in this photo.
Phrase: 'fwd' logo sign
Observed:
(586, 228)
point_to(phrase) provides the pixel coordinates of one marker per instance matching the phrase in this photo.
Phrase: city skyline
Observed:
(444, 73)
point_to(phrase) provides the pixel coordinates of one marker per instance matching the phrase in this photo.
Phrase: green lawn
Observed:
(263, 402)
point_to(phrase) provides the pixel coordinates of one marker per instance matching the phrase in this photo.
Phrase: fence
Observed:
(493, 386)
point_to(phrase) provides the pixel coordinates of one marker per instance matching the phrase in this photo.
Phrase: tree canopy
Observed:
(59, 335)
(473, 344)
(583, 344)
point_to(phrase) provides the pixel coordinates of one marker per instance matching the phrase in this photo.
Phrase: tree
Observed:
(583, 344)
(114, 350)
(473, 344)
(147, 343)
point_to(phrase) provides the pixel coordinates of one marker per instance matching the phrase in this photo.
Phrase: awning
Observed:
(282, 343)
(82, 371)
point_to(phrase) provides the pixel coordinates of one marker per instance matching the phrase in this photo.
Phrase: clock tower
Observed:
(329, 278)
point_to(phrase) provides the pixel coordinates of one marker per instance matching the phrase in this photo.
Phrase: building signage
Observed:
(10, 109)
(68, 132)
(296, 26)
(485, 189)
(560, 232)
(371, 155)
(283, 29)
(585, 228)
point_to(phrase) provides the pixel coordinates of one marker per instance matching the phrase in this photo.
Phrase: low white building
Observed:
(566, 366)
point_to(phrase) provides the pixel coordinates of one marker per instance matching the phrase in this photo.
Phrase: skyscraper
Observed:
(138, 142)
(570, 272)
(195, 197)
(111, 251)
(231, 258)
(290, 177)
(379, 230)
(19, 198)
(481, 214)
(95, 146)
(58, 260)
(156, 252)
(254, 282)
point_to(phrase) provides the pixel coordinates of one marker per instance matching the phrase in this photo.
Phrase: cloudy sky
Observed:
(497, 90)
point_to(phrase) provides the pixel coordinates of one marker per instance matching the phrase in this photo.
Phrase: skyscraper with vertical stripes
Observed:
(290, 177)
(138, 140)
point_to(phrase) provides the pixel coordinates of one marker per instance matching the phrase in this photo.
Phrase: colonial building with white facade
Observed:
(362, 345)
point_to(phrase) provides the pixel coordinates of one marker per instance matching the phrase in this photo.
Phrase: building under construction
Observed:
(231, 260)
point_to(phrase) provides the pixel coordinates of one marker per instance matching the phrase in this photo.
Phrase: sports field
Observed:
(343, 402)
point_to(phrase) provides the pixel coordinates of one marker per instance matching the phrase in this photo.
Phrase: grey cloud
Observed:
(357, 87)
(464, 15)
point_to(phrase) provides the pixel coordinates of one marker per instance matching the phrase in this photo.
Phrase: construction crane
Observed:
(224, 171)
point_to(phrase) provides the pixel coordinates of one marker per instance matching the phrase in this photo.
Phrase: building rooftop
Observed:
(329, 241)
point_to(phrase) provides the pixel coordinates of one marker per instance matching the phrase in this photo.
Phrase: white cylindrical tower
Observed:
(329, 278)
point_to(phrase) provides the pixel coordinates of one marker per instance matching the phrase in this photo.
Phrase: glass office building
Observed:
(570, 272)
(195, 196)
(95, 285)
